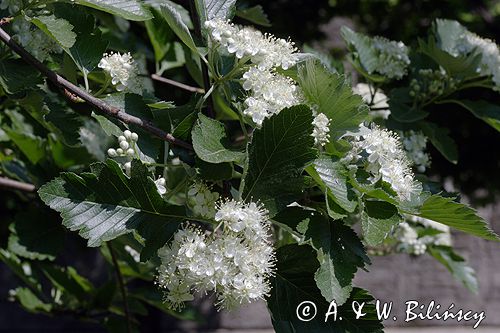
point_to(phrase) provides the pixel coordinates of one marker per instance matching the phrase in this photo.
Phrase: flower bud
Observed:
(119, 151)
(121, 138)
(134, 136)
(124, 145)
(130, 152)
(112, 152)
(127, 134)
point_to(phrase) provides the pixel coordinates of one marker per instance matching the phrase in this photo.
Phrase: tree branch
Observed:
(177, 84)
(121, 284)
(105, 108)
(11, 184)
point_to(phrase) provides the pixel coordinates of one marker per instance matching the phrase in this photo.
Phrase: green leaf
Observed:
(339, 250)
(456, 215)
(211, 9)
(457, 266)
(68, 281)
(174, 20)
(33, 147)
(128, 9)
(333, 96)
(35, 238)
(461, 67)
(210, 142)
(106, 204)
(30, 301)
(334, 176)
(16, 76)
(57, 28)
(277, 155)
(89, 47)
(439, 137)
(214, 172)
(449, 33)
(294, 284)
(363, 46)
(489, 113)
(377, 220)
(254, 15)
(159, 34)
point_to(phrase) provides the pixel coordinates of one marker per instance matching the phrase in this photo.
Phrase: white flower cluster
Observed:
(264, 50)
(201, 200)
(466, 42)
(392, 57)
(408, 237)
(235, 264)
(123, 71)
(378, 100)
(490, 54)
(415, 144)
(385, 159)
(410, 242)
(34, 40)
(128, 148)
(321, 130)
(270, 92)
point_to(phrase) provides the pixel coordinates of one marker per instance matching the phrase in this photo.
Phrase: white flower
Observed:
(443, 238)
(235, 264)
(385, 159)
(393, 57)
(414, 144)
(321, 131)
(201, 200)
(265, 50)
(270, 93)
(123, 71)
(378, 100)
(160, 185)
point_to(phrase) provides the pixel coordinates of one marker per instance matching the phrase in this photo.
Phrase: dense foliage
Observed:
(275, 179)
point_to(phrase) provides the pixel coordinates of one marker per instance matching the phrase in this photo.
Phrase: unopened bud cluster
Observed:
(235, 263)
(431, 83)
(202, 200)
(127, 149)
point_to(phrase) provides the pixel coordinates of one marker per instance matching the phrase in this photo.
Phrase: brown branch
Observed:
(105, 108)
(177, 84)
(11, 184)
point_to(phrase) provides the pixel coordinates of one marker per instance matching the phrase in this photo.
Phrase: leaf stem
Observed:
(121, 284)
(162, 79)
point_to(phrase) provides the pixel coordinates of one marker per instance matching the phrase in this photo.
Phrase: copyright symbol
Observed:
(306, 311)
